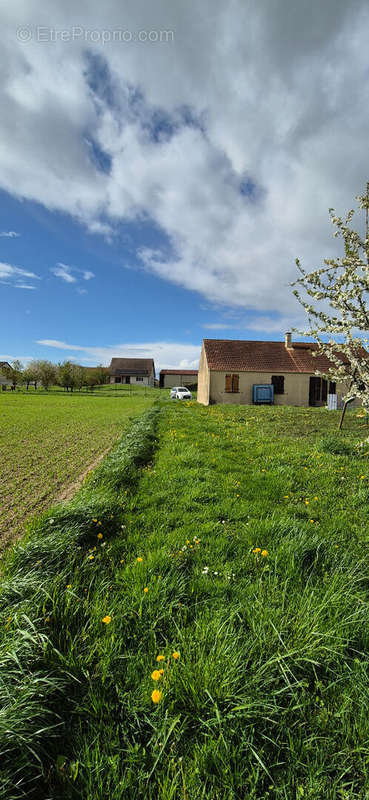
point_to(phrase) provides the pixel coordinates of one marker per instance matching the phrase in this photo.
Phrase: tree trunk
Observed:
(344, 411)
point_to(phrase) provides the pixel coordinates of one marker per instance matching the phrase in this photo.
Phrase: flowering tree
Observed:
(335, 298)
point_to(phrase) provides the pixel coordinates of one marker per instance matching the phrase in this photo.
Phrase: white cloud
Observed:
(14, 276)
(64, 272)
(9, 234)
(220, 326)
(261, 115)
(68, 274)
(167, 355)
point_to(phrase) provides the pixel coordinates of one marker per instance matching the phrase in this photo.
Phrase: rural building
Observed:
(178, 377)
(4, 381)
(139, 371)
(229, 369)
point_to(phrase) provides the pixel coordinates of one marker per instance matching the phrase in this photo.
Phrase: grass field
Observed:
(47, 440)
(227, 547)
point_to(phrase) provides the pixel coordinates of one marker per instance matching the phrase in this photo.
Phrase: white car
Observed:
(180, 393)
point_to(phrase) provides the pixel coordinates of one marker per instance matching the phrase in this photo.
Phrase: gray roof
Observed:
(132, 366)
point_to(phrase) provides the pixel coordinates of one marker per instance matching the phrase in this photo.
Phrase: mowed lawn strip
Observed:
(197, 627)
(47, 441)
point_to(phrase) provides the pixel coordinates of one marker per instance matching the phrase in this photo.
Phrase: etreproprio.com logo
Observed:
(43, 33)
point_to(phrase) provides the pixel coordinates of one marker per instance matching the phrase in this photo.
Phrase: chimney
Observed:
(288, 340)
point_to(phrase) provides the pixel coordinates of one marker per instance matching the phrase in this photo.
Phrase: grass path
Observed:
(237, 542)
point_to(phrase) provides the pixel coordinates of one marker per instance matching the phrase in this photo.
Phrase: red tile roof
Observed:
(250, 356)
(178, 371)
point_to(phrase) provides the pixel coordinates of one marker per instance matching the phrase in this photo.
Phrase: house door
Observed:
(314, 391)
(128, 379)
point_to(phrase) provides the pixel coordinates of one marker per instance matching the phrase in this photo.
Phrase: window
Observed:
(138, 378)
(332, 387)
(278, 383)
(232, 383)
(117, 380)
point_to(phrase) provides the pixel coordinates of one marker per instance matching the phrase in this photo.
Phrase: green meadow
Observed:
(194, 622)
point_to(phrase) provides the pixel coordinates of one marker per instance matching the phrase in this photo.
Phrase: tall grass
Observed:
(265, 656)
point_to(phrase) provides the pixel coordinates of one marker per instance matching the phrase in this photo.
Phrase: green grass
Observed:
(47, 440)
(268, 698)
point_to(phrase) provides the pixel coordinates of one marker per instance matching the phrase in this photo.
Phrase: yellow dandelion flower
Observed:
(121, 561)
(257, 550)
(160, 658)
(94, 520)
(306, 502)
(264, 553)
(69, 586)
(156, 696)
(146, 590)
(91, 557)
(311, 520)
(99, 536)
(106, 619)
(99, 523)
(139, 559)
(161, 671)
(285, 496)
(175, 655)
(156, 675)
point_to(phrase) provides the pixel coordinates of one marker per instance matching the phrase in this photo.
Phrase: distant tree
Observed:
(342, 287)
(66, 375)
(79, 374)
(13, 372)
(47, 373)
(100, 373)
(31, 374)
(91, 379)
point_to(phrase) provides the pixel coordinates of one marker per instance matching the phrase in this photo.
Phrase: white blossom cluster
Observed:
(342, 288)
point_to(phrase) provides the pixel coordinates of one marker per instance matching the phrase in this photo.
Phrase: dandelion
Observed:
(121, 561)
(94, 520)
(160, 658)
(99, 523)
(156, 675)
(256, 550)
(106, 619)
(285, 496)
(146, 590)
(264, 553)
(69, 586)
(311, 520)
(175, 655)
(91, 557)
(99, 536)
(161, 671)
(139, 559)
(156, 696)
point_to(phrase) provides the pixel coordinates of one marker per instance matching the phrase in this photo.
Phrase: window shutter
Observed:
(235, 383)
(228, 383)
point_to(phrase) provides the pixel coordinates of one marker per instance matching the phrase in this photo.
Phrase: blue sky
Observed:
(161, 190)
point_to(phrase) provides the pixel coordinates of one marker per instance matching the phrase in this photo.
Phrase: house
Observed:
(4, 381)
(178, 377)
(140, 371)
(229, 369)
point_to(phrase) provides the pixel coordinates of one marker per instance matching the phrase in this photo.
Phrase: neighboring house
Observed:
(177, 377)
(140, 371)
(4, 381)
(229, 369)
